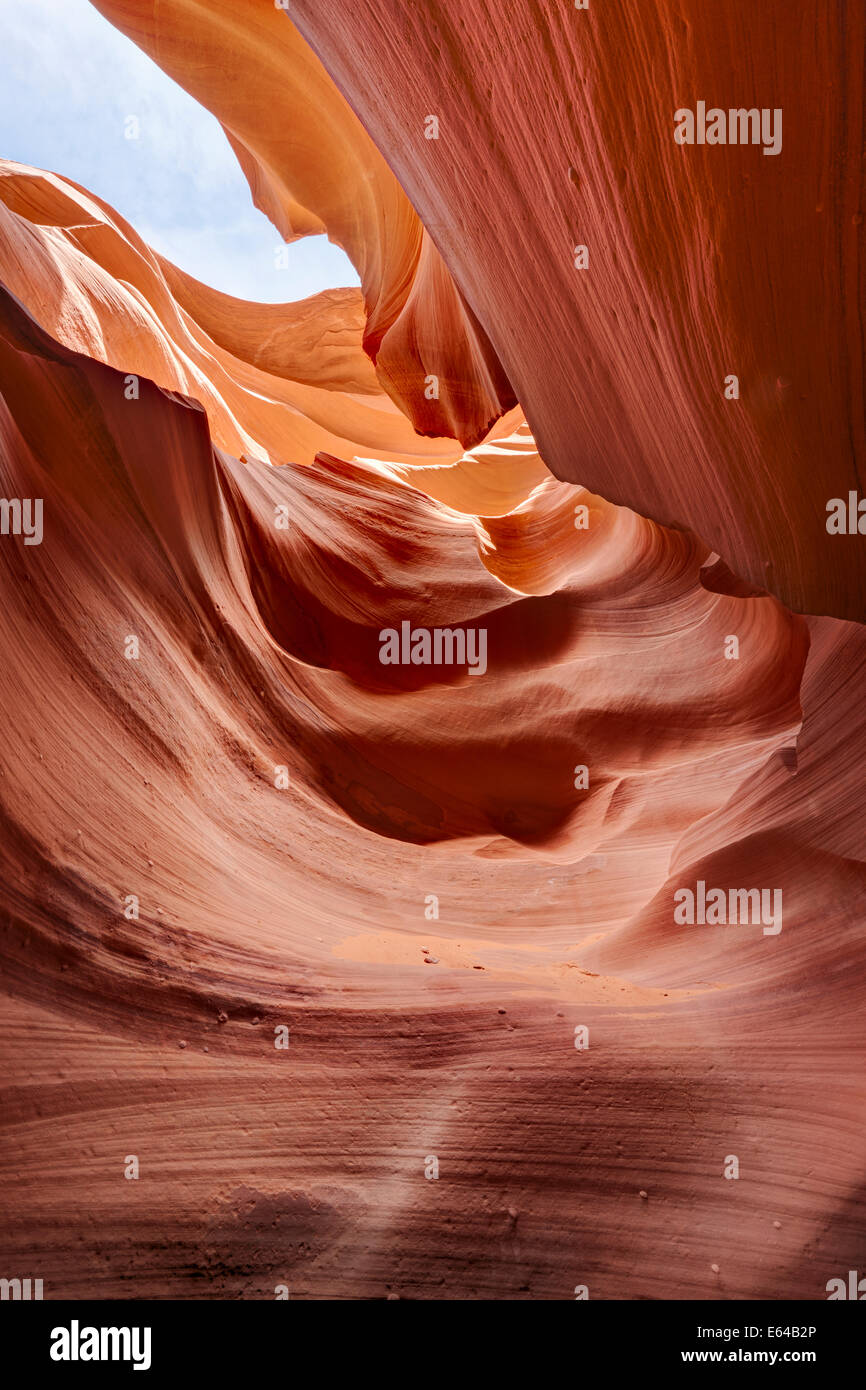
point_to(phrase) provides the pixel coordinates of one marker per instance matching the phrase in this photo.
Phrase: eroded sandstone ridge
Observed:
(556, 130)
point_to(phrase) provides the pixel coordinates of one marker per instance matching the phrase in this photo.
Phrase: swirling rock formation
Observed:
(556, 130)
(242, 822)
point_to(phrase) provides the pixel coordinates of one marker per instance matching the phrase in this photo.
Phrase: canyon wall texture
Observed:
(381, 973)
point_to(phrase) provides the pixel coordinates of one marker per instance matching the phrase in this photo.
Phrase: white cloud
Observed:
(68, 82)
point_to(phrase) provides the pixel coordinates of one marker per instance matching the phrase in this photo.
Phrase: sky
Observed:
(69, 81)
